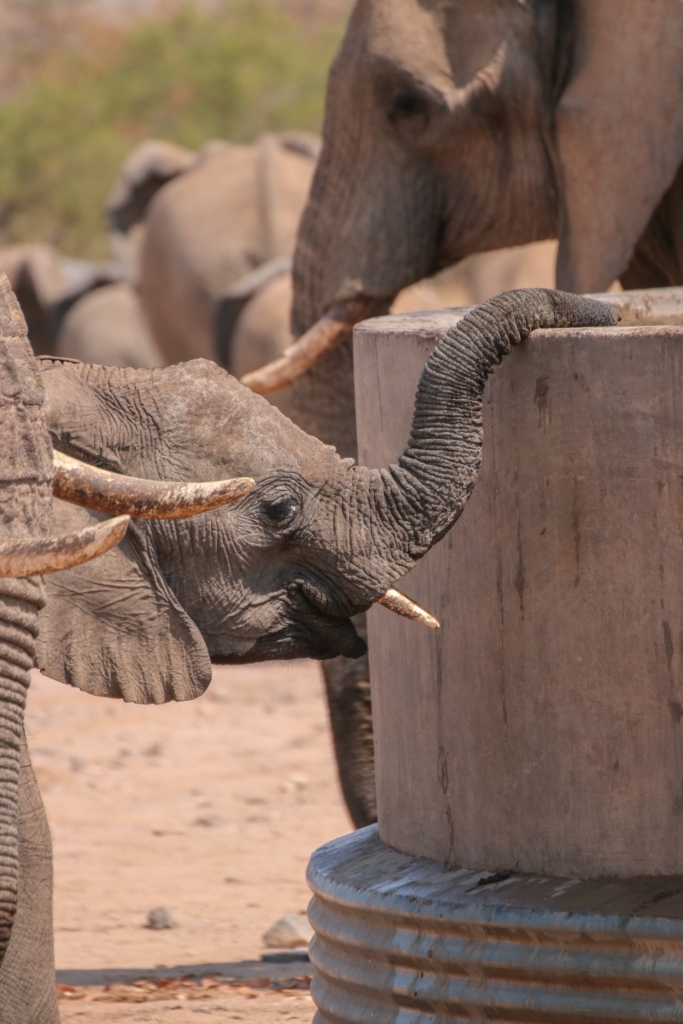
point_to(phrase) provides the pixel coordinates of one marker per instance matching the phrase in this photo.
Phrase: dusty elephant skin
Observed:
(27, 989)
(280, 573)
(276, 574)
(459, 126)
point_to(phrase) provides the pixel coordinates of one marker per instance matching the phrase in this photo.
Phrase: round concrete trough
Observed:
(400, 939)
(536, 738)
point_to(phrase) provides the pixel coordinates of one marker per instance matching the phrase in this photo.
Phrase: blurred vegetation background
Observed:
(81, 84)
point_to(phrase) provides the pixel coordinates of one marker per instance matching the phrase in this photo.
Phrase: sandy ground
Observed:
(209, 809)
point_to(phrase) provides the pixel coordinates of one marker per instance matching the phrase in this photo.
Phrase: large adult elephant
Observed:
(458, 126)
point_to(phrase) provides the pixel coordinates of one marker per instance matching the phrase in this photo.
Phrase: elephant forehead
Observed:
(192, 421)
(442, 43)
(208, 419)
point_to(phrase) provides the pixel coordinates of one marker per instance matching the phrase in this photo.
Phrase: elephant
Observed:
(283, 572)
(216, 234)
(30, 472)
(107, 326)
(70, 305)
(458, 127)
(455, 127)
(27, 981)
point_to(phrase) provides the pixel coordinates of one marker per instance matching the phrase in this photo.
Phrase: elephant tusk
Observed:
(38, 557)
(116, 494)
(333, 328)
(397, 602)
(326, 334)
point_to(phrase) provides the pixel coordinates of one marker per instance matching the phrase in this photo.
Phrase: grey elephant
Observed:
(27, 982)
(47, 285)
(215, 235)
(458, 126)
(313, 540)
(283, 572)
(29, 474)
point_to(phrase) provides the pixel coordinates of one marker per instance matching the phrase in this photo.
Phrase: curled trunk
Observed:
(413, 504)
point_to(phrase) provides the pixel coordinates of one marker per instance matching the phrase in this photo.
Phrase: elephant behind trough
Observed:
(458, 127)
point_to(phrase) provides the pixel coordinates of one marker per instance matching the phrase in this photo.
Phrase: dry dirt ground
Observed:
(209, 809)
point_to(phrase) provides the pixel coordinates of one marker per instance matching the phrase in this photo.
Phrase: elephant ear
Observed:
(113, 627)
(147, 169)
(619, 127)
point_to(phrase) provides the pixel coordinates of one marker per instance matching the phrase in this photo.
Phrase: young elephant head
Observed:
(279, 573)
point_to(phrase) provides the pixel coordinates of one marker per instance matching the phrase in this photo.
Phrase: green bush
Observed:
(230, 73)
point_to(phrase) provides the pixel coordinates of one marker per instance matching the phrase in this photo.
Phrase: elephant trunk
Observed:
(20, 601)
(413, 504)
(25, 505)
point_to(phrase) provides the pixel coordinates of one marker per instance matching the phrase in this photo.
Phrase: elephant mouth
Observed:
(321, 639)
(313, 631)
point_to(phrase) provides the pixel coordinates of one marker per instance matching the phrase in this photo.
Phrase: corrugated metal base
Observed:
(403, 939)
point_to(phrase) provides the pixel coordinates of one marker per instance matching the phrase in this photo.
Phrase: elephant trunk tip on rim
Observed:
(431, 484)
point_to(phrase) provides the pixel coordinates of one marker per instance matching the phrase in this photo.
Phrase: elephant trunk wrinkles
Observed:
(20, 601)
(25, 506)
(418, 500)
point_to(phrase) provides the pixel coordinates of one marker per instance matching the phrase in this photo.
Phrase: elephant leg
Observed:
(347, 687)
(28, 993)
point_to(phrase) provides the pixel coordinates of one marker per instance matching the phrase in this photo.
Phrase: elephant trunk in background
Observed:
(25, 506)
(414, 503)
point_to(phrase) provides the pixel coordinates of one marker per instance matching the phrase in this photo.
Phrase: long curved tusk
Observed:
(327, 333)
(38, 557)
(99, 489)
(397, 602)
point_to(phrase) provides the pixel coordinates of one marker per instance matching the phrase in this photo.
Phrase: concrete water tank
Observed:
(528, 861)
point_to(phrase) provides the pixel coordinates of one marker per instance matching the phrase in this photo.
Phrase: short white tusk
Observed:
(397, 602)
(38, 557)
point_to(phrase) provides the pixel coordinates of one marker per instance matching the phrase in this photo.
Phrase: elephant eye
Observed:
(281, 511)
(407, 104)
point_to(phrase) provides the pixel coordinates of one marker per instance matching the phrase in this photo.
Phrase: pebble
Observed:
(159, 918)
(290, 932)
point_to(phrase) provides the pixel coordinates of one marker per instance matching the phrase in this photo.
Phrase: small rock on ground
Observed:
(159, 918)
(290, 932)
